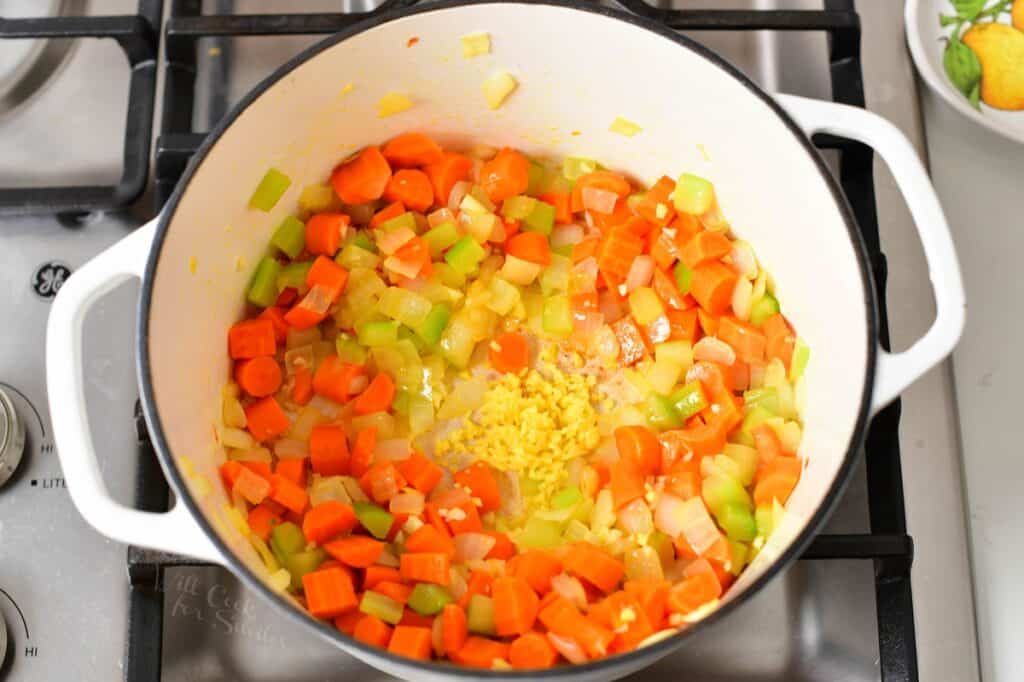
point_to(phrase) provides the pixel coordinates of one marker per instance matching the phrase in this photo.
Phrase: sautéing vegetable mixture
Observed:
(504, 412)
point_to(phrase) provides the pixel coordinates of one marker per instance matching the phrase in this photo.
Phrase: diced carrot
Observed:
(780, 339)
(324, 232)
(445, 173)
(563, 618)
(532, 651)
(479, 583)
(426, 538)
(376, 573)
(453, 627)
(530, 246)
(329, 592)
(667, 290)
(618, 251)
(767, 443)
(506, 175)
(480, 480)
(562, 203)
(627, 483)
(310, 311)
(595, 566)
(328, 520)
(515, 606)
(377, 397)
(329, 275)
(420, 471)
(328, 450)
(288, 494)
(712, 284)
(382, 481)
(276, 317)
(398, 591)
(259, 377)
(703, 247)
(253, 487)
(694, 591)
(333, 378)
(466, 522)
(362, 451)
(265, 419)
(747, 340)
(347, 621)
(392, 210)
(510, 352)
(663, 247)
(411, 642)
(639, 444)
(410, 187)
(425, 567)
(410, 150)
(285, 299)
(357, 551)
(302, 386)
(633, 344)
(411, 618)
(708, 322)
(637, 226)
(652, 596)
(251, 339)
(705, 439)
(479, 652)
(585, 249)
(262, 519)
(658, 195)
(503, 548)
(229, 472)
(416, 252)
(362, 179)
(536, 567)
(776, 480)
(372, 630)
(622, 613)
(261, 468)
(292, 468)
(606, 180)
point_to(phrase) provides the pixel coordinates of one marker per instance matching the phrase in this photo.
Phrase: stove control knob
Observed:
(12, 438)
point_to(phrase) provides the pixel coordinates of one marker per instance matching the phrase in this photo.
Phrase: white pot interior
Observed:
(695, 117)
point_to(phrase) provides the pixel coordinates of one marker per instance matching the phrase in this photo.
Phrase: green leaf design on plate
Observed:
(963, 68)
(968, 9)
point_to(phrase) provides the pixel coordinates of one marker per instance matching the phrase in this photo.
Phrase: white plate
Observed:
(926, 39)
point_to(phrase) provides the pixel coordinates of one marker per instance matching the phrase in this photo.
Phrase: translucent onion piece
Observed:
(388, 558)
(401, 267)
(570, 588)
(599, 200)
(640, 273)
(635, 517)
(298, 358)
(318, 300)
(564, 235)
(289, 448)
(743, 260)
(697, 527)
(643, 563)
(472, 546)
(235, 438)
(392, 450)
(458, 193)
(583, 276)
(328, 408)
(741, 298)
(604, 344)
(611, 307)
(568, 647)
(407, 502)
(390, 241)
(358, 383)
(714, 350)
(302, 337)
(441, 216)
(457, 582)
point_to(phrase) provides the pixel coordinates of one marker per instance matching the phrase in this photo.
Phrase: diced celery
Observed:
(539, 533)
(381, 606)
(719, 490)
(465, 255)
(689, 400)
(301, 563)
(504, 296)
(403, 305)
(662, 544)
(441, 237)
(664, 374)
(457, 342)
(575, 166)
(741, 438)
(535, 175)
(472, 205)
(746, 461)
(406, 220)
(271, 188)
(660, 413)
(318, 199)
(566, 498)
(518, 207)
(400, 404)
(755, 417)
(364, 241)
(434, 324)
(645, 305)
(798, 363)
(377, 333)
(427, 599)
(293, 275)
(519, 271)
(374, 519)
(541, 219)
(680, 352)
(763, 308)
(354, 255)
(449, 276)
(401, 360)
(737, 522)
(555, 277)
(767, 397)
(478, 193)
(286, 539)
(557, 319)
(693, 194)
(290, 236)
(575, 531)
(348, 349)
(790, 434)
(263, 287)
(480, 615)
(763, 517)
(740, 554)
(683, 275)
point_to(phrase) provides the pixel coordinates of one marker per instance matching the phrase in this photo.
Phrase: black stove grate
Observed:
(139, 37)
(887, 545)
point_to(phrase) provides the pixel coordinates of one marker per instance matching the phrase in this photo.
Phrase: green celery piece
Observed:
(405, 220)
(301, 563)
(539, 533)
(541, 219)
(348, 349)
(409, 334)
(286, 539)
(763, 308)
(576, 166)
(364, 241)
(318, 199)
(557, 317)
(764, 517)
(377, 333)
(441, 237)
(290, 236)
(662, 544)
(740, 553)
(403, 305)
(400, 404)
(737, 522)
(564, 250)
(433, 327)
(293, 275)
(693, 194)
(745, 458)
(755, 417)
(566, 497)
(381, 606)
(683, 275)
(354, 255)
(535, 177)
(271, 188)
(719, 490)
(465, 255)
(428, 600)
(689, 400)
(518, 207)
(480, 615)
(555, 277)
(374, 519)
(449, 276)
(767, 397)
(263, 287)
(797, 365)
(661, 414)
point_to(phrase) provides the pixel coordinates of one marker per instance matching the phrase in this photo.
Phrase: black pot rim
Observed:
(325, 630)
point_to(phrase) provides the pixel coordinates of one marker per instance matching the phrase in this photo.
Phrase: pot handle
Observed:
(173, 531)
(896, 371)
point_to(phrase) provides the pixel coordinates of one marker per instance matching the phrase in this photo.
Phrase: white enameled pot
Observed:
(579, 67)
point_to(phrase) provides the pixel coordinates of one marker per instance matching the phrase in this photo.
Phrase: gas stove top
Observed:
(75, 123)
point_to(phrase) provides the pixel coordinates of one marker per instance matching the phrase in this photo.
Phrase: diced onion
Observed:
(568, 647)
(583, 276)
(401, 267)
(392, 449)
(441, 216)
(437, 637)
(298, 358)
(743, 260)
(518, 271)
(358, 383)
(471, 546)
(714, 350)
(407, 502)
(388, 558)
(235, 438)
(390, 241)
(318, 300)
(289, 448)
(643, 563)
(741, 298)
(328, 408)
(692, 520)
(570, 588)
(564, 235)
(640, 273)
(604, 343)
(458, 193)
(635, 517)
(599, 200)
(457, 582)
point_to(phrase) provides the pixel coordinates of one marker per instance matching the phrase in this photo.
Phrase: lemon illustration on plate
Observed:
(986, 61)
